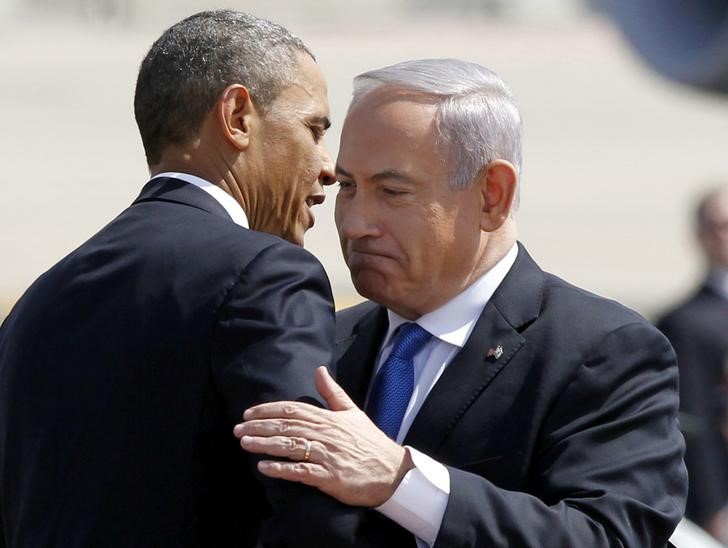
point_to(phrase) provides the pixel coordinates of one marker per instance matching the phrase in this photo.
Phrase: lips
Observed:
(357, 247)
(310, 202)
(358, 258)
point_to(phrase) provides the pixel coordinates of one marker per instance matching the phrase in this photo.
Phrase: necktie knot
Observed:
(410, 339)
(394, 383)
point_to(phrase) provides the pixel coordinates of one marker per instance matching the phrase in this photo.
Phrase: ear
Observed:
(236, 115)
(497, 182)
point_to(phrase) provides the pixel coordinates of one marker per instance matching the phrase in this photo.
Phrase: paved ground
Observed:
(613, 154)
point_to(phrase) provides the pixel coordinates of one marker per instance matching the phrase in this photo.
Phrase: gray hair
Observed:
(477, 117)
(188, 67)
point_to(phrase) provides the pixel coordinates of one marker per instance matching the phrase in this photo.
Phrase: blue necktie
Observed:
(395, 380)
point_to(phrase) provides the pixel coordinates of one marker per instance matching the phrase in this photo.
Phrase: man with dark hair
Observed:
(123, 368)
(505, 407)
(698, 330)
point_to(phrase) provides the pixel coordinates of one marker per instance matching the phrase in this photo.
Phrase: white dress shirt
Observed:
(233, 208)
(419, 502)
(718, 280)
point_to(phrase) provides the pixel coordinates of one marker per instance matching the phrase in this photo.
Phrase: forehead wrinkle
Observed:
(391, 174)
(305, 88)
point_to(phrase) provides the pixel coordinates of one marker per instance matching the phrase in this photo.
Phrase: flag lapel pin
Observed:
(495, 353)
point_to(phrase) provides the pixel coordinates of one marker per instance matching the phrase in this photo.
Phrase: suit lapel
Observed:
(358, 350)
(515, 304)
(469, 373)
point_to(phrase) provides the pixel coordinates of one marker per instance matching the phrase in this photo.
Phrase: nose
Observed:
(328, 169)
(327, 176)
(355, 217)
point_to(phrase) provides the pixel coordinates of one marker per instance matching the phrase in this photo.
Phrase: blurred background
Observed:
(614, 157)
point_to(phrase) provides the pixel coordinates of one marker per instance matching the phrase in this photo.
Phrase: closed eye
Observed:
(318, 126)
(394, 192)
(317, 132)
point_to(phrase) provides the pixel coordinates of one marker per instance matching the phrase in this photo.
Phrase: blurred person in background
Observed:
(698, 330)
(124, 367)
(508, 407)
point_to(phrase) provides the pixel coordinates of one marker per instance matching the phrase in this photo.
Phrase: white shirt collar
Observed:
(454, 321)
(233, 208)
(718, 280)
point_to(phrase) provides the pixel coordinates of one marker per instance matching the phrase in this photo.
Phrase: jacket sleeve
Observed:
(275, 327)
(608, 468)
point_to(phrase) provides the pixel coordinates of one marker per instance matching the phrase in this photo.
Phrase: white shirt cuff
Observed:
(420, 500)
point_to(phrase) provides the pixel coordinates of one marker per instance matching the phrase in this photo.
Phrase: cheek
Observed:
(298, 160)
(301, 178)
(390, 289)
(435, 241)
(310, 162)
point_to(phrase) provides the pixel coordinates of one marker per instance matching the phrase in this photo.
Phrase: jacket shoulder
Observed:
(581, 321)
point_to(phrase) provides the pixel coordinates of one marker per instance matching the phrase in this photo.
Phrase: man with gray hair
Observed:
(124, 367)
(504, 406)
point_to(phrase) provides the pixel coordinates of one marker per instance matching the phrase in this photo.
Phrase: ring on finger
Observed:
(307, 451)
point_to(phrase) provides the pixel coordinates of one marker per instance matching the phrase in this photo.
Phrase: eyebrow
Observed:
(382, 175)
(341, 171)
(390, 174)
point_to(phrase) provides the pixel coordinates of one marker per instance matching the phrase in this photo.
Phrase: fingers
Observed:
(302, 472)
(287, 409)
(335, 396)
(307, 451)
(275, 427)
(297, 449)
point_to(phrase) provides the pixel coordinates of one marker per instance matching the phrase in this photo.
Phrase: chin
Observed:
(372, 286)
(299, 237)
(382, 291)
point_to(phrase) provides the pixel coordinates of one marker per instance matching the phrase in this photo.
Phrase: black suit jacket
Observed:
(569, 439)
(698, 330)
(124, 367)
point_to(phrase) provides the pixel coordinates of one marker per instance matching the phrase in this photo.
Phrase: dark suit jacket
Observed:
(569, 439)
(698, 330)
(124, 367)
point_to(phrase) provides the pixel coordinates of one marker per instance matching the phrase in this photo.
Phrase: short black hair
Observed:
(188, 67)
